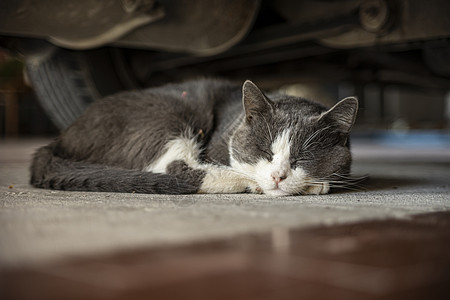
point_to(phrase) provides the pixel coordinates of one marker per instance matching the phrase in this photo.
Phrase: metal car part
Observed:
(196, 26)
(73, 24)
(389, 22)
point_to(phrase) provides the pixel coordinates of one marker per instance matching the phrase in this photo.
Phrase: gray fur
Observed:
(182, 171)
(53, 172)
(107, 147)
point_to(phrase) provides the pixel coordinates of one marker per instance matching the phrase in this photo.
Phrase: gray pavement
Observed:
(37, 226)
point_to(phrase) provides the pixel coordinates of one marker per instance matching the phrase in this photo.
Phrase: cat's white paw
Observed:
(317, 189)
(254, 188)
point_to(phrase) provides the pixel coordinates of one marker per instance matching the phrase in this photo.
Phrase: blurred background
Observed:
(58, 57)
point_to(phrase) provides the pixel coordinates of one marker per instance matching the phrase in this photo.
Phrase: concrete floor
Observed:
(38, 226)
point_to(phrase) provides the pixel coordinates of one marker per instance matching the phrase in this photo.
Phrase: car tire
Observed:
(66, 82)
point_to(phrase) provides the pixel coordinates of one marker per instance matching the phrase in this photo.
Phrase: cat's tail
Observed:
(53, 172)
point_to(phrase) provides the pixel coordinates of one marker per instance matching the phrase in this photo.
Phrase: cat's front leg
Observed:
(212, 179)
(317, 189)
(182, 170)
(222, 179)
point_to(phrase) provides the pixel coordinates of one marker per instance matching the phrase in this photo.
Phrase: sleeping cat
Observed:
(204, 136)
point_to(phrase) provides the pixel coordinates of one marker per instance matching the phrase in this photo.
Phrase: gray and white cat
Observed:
(204, 136)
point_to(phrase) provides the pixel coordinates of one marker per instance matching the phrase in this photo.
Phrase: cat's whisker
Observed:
(312, 136)
(353, 180)
(338, 186)
(311, 154)
(346, 182)
(349, 186)
(268, 129)
(345, 178)
(311, 144)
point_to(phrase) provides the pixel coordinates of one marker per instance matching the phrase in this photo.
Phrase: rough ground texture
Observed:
(38, 226)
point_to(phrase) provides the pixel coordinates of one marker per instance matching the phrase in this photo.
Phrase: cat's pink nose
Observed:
(278, 176)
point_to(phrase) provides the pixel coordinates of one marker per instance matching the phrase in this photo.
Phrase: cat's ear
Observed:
(254, 101)
(343, 114)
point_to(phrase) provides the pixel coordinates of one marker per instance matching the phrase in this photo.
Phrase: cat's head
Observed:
(289, 145)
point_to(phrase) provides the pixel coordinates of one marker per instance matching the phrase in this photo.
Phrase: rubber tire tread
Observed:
(62, 85)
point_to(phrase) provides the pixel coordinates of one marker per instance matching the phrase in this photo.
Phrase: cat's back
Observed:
(192, 95)
(157, 104)
(135, 121)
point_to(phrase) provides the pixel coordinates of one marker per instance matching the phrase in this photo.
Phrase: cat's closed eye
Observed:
(300, 162)
(265, 153)
(303, 157)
